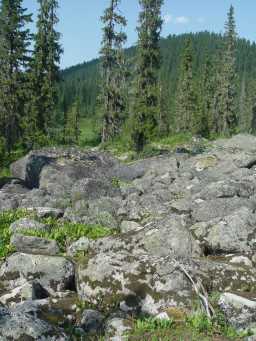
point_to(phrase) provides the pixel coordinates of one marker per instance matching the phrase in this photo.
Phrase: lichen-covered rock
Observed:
(16, 326)
(138, 270)
(34, 245)
(117, 328)
(233, 233)
(53, 273)
(24, 224)
(27, 291)
(239, 311)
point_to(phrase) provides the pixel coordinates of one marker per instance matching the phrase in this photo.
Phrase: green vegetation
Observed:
(63, 232)
(6, 219)
(112, 95)
(148, 61)
(201, 84)
(195, 327)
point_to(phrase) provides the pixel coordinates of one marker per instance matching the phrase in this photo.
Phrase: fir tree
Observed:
(146, 105)
(72, 131)
(14, 57)
(163, 121)
(185, 98)
(227, 111)
(44, 72)
(207, 88)
(113, 71)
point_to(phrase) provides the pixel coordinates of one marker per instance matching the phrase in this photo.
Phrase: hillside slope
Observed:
(82, 80)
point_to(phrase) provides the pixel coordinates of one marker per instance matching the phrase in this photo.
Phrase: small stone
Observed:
(81, 245)
(128, 226)
(91, 321)
(241, 260)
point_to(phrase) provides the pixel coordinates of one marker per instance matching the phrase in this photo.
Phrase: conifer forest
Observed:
(198, 83)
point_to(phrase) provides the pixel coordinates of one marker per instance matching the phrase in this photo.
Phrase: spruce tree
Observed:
(113, 71)
(146, 104)
(72, 131)
(163, 120)
(44, 70)
(14, 57)
(207, 89)
(185, 97)
(227, 110)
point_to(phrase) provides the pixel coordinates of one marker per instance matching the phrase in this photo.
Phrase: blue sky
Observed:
(81, 28)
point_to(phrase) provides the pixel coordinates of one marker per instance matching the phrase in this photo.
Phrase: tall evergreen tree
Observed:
(227, 111)
(113, 70)
(163, 119)
(146, 105)
(207, 89)
(185, 98)
(44, 70)
(14, 57)
(72, 131)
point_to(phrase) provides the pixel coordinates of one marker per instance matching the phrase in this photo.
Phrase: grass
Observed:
(6, 219)
(175, 140)
(90, 133)
(195, 327)
(63, 232)
(66, 233)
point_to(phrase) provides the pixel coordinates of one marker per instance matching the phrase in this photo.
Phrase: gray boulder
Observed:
(138, 271)
(24, 224)
(34, 245)
(233, 233)
(90, 189)
(53, 273)
(19, 326)
(27, 291)
(239, 311)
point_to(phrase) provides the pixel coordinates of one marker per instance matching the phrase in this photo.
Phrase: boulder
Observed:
(138, 271)
(90, 189)
(27, 291)
(34, 245)
(15, 325)
(235, 232)
(53, 273)
(24, 224)
(239, 311)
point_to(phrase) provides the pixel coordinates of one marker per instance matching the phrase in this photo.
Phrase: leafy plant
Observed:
(6, 219)
(64, 233)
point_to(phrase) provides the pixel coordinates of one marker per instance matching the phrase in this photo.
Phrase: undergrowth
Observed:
(195, 327)
(63, 232)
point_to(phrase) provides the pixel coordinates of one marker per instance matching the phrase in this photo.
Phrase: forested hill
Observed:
(82, 81)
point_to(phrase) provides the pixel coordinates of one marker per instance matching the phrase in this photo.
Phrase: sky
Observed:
(80, 25)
